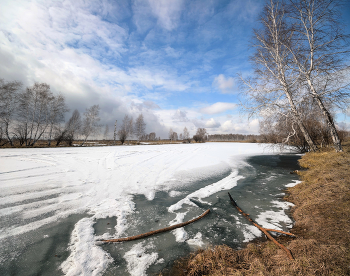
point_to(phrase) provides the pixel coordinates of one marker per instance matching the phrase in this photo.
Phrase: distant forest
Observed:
(234, 137)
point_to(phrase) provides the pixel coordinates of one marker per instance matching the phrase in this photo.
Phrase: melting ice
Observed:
(56, 203)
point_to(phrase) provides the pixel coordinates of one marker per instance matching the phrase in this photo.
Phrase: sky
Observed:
(174, 61)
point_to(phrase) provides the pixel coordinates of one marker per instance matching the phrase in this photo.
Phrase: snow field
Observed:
(40, 186)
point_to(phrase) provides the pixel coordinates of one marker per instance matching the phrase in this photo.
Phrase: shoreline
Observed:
(321, 214)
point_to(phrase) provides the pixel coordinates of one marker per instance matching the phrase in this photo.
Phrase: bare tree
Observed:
(71, 130)
(8, 106)
(180, 136)
(106, 133)
(57, 108)
(74, 124)
(175, 137)
(171, 134)
(126, 129)
(90, 122)
(186, 135)
(274, 88)
(281, 130)
(2, 139)
(33, 116)
(115, 131)
(321, 55)
(200, 135)
(152, 136)
(140, 127)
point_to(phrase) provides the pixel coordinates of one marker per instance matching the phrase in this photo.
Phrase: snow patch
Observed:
(138, 260)
(86, 258)
(196, 241)
(180, 233)
(276, 219)
(250, 233)
(224, 184)
(294, 183)
(175, 193)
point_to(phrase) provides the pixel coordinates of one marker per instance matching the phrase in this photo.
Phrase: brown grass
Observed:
(322, 214)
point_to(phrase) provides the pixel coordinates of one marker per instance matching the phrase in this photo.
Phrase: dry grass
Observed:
(322, 214)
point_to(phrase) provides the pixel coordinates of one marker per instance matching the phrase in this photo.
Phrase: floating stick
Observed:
(264, 230)
(157, 231)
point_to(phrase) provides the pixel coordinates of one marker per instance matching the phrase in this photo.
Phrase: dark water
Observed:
(38, 252)
(264, 183)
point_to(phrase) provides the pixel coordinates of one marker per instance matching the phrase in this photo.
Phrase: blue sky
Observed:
(173, 60)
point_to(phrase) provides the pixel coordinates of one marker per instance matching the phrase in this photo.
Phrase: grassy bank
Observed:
(322, 215)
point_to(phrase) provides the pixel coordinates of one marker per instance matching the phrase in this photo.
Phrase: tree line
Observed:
(199, 137)
(130, 128)
(301, 69)
(35, 113)
(233, 137)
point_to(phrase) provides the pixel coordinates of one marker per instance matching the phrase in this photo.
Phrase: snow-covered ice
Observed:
(43, 185)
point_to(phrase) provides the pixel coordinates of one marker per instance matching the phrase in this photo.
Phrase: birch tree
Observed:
(321, 55)
(200, 135)
(106, 132)
(33, 114)
(72, 129)
(57, 109)
(152, 136)
(275, 86)
(90, 124)
(140, 127)
(281, 130)
(8, 106)
(115, 131)
(186, 135)
(126, 129)
(171, 134)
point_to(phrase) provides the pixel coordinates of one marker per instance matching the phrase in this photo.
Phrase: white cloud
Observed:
(167, 12)
(343, 125)
(156, 78)
(207, 123)
(238, 126)
(218, 108)
(211, 123)
(150, 105)
(180, 116)
(76, 48)
(224, 84)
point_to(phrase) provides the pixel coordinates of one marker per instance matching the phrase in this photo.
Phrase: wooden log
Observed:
(156, 231)
(261, 229)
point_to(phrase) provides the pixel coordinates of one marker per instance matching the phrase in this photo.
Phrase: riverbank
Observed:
(321, 212)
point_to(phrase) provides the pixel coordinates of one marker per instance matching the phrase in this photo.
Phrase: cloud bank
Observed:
(170, 60)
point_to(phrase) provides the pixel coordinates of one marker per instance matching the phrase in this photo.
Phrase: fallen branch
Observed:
(157, 231)
(264, 230)
(279, 231)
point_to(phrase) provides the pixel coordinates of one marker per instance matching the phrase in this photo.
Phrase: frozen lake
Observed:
(55, 203)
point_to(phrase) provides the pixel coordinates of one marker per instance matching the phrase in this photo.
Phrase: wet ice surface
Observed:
(55, 207)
